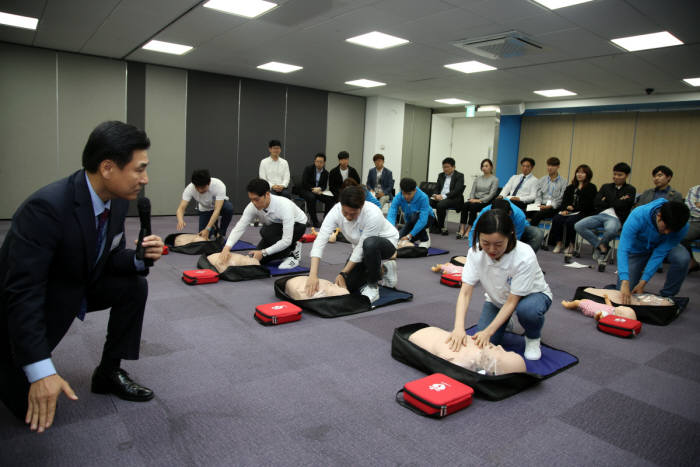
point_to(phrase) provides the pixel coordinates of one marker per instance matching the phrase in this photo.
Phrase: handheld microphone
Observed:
(144, 207)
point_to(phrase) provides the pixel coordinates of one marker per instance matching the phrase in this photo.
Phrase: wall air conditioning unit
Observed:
(496, 46)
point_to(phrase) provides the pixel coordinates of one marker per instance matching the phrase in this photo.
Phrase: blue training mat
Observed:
(389, 296)
(552, 361)
(275, 271)
(436, 251)
(241, 245)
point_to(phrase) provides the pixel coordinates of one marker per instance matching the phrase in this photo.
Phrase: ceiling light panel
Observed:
(488, 108)
(470, 67)
(452, 101)
(554, 93)
(279, 67)
(692, 81)
(245, 8)
(167, 47)
(647, 41)
(24, 22)
(556, 4)
(377, 40)
(365, 83)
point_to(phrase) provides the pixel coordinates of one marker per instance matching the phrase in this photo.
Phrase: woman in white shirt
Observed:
(373, 238)
(513, 282)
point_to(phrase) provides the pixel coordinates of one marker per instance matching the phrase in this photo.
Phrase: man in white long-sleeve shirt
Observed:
(283, 225)
(373, 238)
(521, 189)
(275, 170)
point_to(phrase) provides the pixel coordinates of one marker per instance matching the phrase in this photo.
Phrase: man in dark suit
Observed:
(341, 172)
(314, 182)
(64, 256)
(380, 180)
(448, 193)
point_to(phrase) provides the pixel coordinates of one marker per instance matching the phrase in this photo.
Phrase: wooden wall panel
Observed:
(671, 139)
(601, 141)
(544, 137)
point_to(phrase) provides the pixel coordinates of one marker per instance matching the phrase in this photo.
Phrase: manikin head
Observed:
(115, 158)
(296, 289)
(491, 360)
(620, 173)
(259, 193)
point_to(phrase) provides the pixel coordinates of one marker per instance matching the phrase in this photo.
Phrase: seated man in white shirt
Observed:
(275, 170)
(283, 225)
(212, 204)
(521, 189)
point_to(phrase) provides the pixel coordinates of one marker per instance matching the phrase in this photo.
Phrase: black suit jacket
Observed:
(456, 185)
(308, 179)
(47, 263)
(335, 179)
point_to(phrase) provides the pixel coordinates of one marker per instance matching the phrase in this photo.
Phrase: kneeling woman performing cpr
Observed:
(513, 282)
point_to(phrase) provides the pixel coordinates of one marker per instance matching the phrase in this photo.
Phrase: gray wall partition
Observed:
(305, 133)
(261, 119)
(416, 143)
(346, 129)
(212, 128)
(28, 129)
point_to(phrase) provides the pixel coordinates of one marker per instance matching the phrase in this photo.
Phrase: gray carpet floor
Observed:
(321, 391)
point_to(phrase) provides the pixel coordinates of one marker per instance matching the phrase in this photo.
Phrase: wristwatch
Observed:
(263, 253)
(344, 274)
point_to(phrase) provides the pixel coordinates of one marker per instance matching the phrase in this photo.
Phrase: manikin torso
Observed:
(491, 360)
(296, 289)
(235, 259)
(186, 239)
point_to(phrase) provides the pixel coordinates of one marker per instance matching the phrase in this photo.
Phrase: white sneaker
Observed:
(292, 260)
(557, 249)
(532, 349)
(391, 276)
(370, 292)
(425, 244)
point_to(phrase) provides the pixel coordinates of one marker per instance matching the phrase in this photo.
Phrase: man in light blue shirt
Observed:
(417, 213)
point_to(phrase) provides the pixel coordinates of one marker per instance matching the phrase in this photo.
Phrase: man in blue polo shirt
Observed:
(650, 233)
(417, 212)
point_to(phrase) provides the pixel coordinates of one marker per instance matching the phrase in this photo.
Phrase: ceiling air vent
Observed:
(505, 45)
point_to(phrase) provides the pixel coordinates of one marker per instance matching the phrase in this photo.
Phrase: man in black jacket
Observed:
(448, 193)
(341, 172)
(612, 205)
(314, 183)
(65, 256)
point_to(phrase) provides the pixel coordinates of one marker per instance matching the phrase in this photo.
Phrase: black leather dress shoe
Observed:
(119, 383)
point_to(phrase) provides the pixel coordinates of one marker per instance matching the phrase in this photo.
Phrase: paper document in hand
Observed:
(327, 193)
(532, 207)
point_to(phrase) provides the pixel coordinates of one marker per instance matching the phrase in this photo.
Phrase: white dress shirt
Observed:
(527, 191)
(370, 223)
(275, 172)
(280, 211)
(205, 201)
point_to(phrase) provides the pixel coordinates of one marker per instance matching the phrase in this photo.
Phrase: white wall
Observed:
(467, 140)
(440, 144)
(383, 134)
(345, 129)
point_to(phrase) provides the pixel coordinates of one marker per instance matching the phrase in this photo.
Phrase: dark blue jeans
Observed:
(679, 259)
(411, 222)
(222, 222)
(530, 311)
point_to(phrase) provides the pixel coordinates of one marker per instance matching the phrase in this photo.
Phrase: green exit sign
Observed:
(471, 110)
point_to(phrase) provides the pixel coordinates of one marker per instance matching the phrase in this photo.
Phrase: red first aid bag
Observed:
(436, 395)
(277, 313)
(200, 276)
(619, 326)
(452, 280)
(307, 238)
